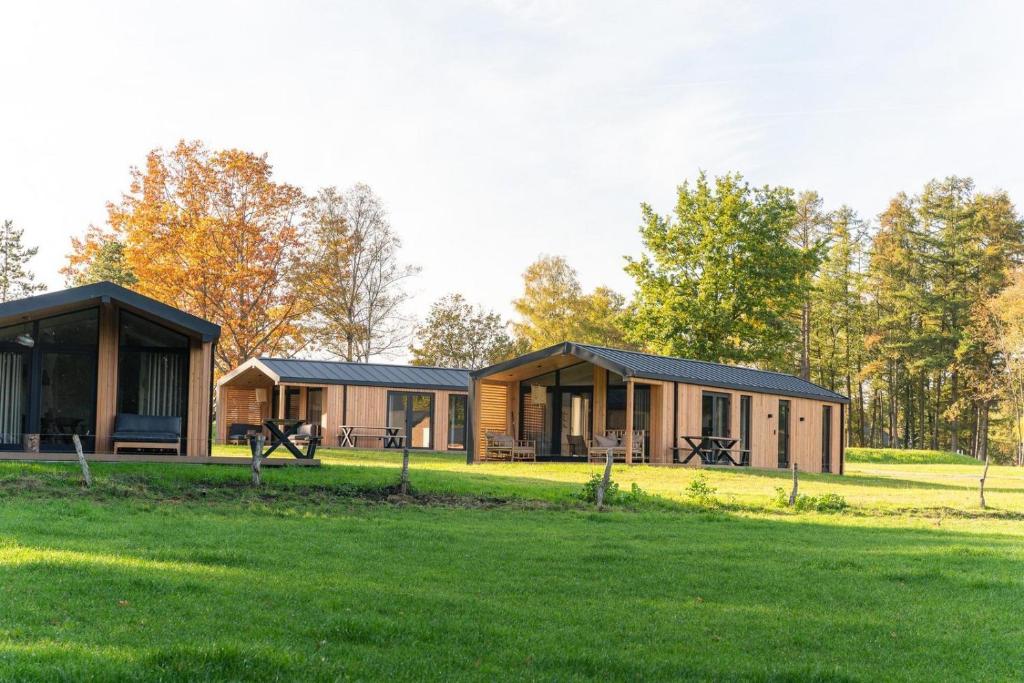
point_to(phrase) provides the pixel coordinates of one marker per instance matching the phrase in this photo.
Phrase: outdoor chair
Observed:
(240, 432)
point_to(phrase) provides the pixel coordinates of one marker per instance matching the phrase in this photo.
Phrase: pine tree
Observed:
(16, 280)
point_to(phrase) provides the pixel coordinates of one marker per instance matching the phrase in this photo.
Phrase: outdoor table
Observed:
(391, 437)
(281, 430)
(719, 447)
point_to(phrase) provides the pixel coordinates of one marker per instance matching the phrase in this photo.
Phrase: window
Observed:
(315, 407)
(826, 439)
(783, 433)
(745, 427)
(152, 369)
(67, 379)
(715, 414)
(413, 414)
(14, 366)
(457, 422)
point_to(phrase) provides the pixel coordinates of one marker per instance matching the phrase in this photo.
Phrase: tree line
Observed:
(916, 314)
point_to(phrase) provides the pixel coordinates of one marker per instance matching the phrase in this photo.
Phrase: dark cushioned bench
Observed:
(147, 431)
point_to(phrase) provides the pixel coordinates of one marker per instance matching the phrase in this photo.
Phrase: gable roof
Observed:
(364, 374)
(672, 369)
(102, 292)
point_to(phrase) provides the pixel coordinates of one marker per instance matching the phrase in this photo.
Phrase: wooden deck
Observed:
(154, 458)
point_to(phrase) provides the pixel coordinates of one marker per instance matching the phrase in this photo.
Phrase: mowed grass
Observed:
(899, 456)
(496, 572)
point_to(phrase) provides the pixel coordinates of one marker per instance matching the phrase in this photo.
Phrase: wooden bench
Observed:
(389, 437)
(506, 447)
(597, 453)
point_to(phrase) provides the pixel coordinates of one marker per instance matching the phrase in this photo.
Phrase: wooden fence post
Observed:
(403, 485)
(256, 445)
(81, 460)
(792, 496)
(981, 483)
(605, 480)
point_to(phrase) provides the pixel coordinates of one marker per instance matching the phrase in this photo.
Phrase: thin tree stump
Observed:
(981, 484)
(257, 459)
(792, 495)
(81, 460)
(605, 480)
(403, 485)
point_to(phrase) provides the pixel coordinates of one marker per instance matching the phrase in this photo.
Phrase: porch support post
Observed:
(471, 418)
(628, 440)
(281, 400)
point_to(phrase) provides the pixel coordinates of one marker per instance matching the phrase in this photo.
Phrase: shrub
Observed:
(588, 494)
(700, 490)
(826, 502)
(612, 495)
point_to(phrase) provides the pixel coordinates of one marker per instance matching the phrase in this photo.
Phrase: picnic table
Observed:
(712, 450)
(390, 437)
(281, 430)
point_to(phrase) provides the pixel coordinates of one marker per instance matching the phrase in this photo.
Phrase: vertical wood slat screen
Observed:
(10, 397)
(160, 384)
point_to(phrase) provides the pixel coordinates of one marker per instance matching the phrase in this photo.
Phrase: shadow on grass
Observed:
(496, 594)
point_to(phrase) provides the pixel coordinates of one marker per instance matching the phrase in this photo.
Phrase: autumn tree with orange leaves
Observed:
(211, 233)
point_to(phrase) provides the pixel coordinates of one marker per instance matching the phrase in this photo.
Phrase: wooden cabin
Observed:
(354, 405)
(83, 360)
(578, 401)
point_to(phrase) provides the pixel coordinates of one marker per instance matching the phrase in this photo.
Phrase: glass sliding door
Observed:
(457, 422)
(67, 380)
(315, 408)
(783, 433)
(745, 427)
(152, 370)
(575, 421)
(715, 414)
(413, 414)
(615, 408)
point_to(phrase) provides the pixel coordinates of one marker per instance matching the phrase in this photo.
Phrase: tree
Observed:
(836, 325)
(98, 257)
(554, 308)
(810, 231)
(16, 280)
(459, 335)
(721, 281)
(212, 233)
(355, 279)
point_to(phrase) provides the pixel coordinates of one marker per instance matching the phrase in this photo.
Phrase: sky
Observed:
(498, 131)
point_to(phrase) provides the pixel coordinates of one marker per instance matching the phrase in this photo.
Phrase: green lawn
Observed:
(174, 572)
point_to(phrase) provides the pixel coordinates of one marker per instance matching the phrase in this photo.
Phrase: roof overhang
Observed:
(54, 303)
(245, 373)
(545, 360)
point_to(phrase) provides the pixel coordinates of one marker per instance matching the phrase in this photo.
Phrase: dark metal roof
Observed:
(108, 291)
(669, 368)
(367, 374)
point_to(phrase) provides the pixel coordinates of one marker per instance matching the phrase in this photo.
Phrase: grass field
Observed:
(172, 572)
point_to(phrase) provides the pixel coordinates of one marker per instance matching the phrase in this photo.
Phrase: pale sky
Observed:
(497, 131)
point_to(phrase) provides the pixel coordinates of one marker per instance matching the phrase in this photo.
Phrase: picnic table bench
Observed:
(711, 450)
(390, 437)
(281, 433)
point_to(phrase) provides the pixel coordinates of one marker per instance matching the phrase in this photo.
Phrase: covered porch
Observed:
(250, 395)
(561, 407)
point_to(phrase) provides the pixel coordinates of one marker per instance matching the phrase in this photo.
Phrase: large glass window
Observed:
(413, 414)
(783, 433)
(67, 379)
(152, 369)
(14, 366)
(715, 414)
(615, 409)
(745, 425)
(315, 407)
(826, 439)
(457, 422)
